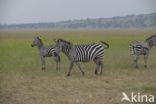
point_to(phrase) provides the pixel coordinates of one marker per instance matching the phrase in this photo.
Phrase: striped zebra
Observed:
(82, 53)
(138, 48)
(43, 52)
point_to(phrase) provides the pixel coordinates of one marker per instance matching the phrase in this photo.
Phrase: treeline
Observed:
(130, 21)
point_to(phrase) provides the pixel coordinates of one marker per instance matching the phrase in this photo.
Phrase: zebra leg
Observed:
(57, 60)
(145, 60)
(78, 65)
(70, 68)
(98, 65)
(57, 66)
(96, 70)
(101, 68)
(43, 63)
(136, 61)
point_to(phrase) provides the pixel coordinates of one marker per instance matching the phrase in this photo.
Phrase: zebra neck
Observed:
(66, 50)
(40, 46)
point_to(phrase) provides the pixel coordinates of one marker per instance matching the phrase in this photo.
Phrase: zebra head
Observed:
(37, 42)
(61, 45)
(151, 41)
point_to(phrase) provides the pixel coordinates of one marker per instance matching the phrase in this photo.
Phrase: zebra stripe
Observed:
(138, 48)
(53, 51)
(88, 52)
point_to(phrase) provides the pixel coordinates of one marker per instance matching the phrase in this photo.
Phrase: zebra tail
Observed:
(106, 44)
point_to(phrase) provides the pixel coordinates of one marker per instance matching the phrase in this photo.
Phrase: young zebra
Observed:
(82, 53)
(43, 52)
(138, 48)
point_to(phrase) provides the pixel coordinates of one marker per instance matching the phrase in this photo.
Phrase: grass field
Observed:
(23, 82)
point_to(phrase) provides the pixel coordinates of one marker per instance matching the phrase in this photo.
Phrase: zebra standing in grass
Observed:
(43, 52)
(82, 53)
(142, 48)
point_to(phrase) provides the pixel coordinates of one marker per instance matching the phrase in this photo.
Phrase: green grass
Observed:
(23, 82)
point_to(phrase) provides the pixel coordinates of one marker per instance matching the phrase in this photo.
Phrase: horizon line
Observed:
(76, 19)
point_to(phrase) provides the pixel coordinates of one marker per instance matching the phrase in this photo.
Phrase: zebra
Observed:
(138, 48)
(82, 53)
(43, 52)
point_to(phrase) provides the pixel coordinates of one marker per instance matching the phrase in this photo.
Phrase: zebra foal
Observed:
(138, 48)
(43, 52)
(82, 53)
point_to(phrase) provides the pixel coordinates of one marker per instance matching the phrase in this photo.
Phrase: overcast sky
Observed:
(33, 11)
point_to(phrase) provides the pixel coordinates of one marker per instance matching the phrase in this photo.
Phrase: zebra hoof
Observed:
(43, 68)
(96, 73)
(57, 69)
(145, 66)
(83, 73)
(68, 75)
(137, 67)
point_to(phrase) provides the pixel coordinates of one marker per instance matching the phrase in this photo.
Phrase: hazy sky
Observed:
(30, 11)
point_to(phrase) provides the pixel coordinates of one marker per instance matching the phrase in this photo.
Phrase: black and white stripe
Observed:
(82, 53)
(138, 48)
(89, 52)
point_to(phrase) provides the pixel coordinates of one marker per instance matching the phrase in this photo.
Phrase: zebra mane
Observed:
(40, 40)
(149, 38)
(62, 40)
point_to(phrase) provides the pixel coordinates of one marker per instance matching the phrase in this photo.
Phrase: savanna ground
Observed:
(23, 82)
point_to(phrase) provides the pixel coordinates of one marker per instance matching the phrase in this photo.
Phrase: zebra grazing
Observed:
(43, 52)
(82, 53)
(142, 48)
